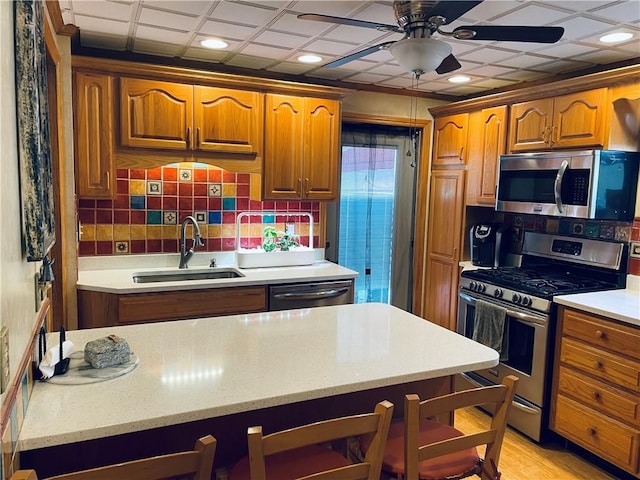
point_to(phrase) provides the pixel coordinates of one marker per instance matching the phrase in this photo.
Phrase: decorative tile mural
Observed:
(150, 205)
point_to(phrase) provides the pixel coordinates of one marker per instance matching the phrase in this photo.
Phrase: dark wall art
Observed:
(34, 148)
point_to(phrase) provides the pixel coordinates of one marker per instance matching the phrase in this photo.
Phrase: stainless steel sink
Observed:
(184, 275)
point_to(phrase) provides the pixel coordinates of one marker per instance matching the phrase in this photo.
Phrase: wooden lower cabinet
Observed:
(596, 387)
(99, 309)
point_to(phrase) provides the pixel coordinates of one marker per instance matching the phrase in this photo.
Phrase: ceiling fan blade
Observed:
(354, 56)
(449, 64)
(452, 10)
(349, 21)
(515, 33)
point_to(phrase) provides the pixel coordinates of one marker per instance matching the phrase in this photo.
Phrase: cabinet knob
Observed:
(597, 364)
(600, 334)
(592, 431)
(597, 396)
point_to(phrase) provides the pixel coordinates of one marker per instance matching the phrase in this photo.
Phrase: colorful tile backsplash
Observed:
(150, 205)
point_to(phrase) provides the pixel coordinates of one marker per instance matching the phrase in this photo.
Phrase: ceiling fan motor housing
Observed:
(411, 12)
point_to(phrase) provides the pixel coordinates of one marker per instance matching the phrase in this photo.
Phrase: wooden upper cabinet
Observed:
(450, 139)
(156, 115)
(301, 147)
(93, 125)
(569, 121)
(487, 141)
(173, 116)
(228, 120)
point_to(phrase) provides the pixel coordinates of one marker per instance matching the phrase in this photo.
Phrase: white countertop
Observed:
(195, 369)
(621, 305)
(115, 275)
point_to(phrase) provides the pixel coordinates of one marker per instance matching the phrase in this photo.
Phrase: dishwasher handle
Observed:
(334, 292)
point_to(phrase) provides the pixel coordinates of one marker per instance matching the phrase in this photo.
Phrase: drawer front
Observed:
(607, 366)
(600, 396)
(618, 338)
(598, 433)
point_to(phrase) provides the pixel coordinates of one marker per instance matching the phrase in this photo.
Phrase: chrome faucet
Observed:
(185, 255)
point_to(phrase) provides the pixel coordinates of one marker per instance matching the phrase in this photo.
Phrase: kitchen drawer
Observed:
(598, 433)
(599, 395)
(607, 366)
(603, 333)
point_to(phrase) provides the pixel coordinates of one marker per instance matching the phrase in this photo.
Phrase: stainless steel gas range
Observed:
(551, 265)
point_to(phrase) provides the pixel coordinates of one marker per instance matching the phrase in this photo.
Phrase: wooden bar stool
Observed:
(420, 448)
(295, 453)
(195, 464)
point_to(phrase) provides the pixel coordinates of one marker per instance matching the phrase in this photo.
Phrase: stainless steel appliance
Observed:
(551, 265)
(596, 184)
(305, 295)
(487, 241)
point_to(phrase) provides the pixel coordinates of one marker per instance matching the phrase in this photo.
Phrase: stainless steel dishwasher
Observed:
(305, 295)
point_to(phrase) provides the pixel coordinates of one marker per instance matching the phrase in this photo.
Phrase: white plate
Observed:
(80, 372)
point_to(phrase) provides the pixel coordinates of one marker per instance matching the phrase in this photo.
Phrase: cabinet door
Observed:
(321, 149)
(94, 162)
(157, 115)
(446, 206)
(487, 141)
(450, 140)
(530, 125)
(283, 149)
(228, 121)
(578, 120)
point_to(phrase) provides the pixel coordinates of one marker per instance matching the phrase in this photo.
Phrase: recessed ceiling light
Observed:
(214, 43)
(616, 37)
(309, 58)
(459, 79)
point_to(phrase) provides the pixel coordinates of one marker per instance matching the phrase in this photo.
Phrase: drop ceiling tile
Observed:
(292, 68)
(330, 48)
(92, 24)
(460, 47)
(524, 61)
(195, 8)
(580, 27)
(485, 11)
(603, 56)
(227, 30)
(625, 12)
(493, 83)
(249, 62)
(265, 51)
(282, 40)
(253, 16)
(586, 5)
(358, 35)
(561, 66)
(161, 35)
(633, 42)
(523, 75)
(565, 50)
(275, 4)
(385, 69)
(333, 8)
(205, 54)
(155, 47)
(102, 9)
(462, 90)
(366, 77)
(493, 55)
(489, 71)
(290, 23)
(531, 14)
(158, 18)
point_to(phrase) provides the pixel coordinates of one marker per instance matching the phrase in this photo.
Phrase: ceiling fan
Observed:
(418, 52)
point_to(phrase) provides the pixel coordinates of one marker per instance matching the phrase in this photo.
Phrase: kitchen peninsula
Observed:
(221, 374)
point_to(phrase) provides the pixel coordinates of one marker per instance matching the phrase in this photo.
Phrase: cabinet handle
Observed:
(299, 189)
(107, 179)
(600, 334)
(188, 139)
(462, 153)
(545, 135)
(197, 144)
(597, 396)
(592, 431)
(306, 186)
(552, 136)
(597, 364)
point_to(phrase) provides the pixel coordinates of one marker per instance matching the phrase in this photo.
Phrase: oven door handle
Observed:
(525, 318)
(557, 186)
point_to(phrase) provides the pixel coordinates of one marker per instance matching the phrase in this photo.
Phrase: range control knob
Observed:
(526, 301)
(481, 287)
(473, 285)
(498, 293)
(516, 298)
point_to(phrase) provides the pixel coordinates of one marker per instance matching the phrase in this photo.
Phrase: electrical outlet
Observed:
(635, 249)
(4, 358)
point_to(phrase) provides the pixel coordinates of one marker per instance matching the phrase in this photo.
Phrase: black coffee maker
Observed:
(487, 241)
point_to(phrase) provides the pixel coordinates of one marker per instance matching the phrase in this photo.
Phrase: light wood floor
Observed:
(523, 459)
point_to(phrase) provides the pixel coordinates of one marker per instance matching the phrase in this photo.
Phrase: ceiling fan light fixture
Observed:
(420, 55)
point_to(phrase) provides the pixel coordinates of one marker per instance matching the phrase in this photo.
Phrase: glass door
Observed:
(370, 228)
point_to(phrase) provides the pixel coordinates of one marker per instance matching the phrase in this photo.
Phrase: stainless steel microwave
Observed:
(593, 184)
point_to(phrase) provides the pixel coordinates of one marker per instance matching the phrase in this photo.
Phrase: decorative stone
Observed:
(107, 351)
